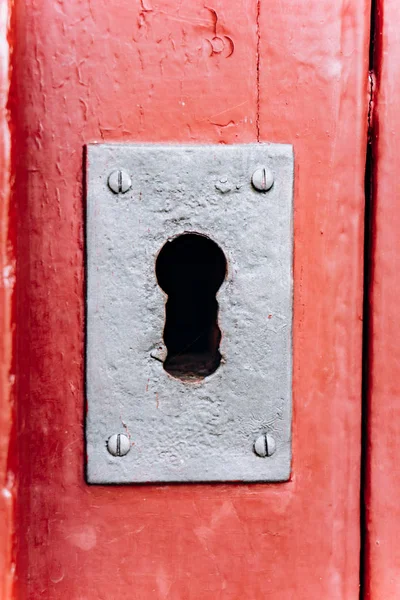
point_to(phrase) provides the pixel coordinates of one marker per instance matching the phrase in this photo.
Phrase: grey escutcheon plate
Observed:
(180, 431)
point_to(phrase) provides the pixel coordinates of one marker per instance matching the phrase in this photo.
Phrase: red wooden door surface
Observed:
(232, 71)
(7, 323)
(382, 489)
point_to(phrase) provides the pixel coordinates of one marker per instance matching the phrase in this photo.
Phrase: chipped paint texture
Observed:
(158, 70)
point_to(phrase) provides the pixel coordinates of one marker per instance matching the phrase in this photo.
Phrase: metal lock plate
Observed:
(145, 424)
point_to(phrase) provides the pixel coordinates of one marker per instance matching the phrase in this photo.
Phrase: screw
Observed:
(119, 181)
(262, 179)
(265, 445)
(118, 444)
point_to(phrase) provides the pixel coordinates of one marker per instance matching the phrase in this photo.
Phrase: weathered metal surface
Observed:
(180, 430)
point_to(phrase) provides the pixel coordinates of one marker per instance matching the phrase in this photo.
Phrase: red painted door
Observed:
(382, 481)
(231, 71)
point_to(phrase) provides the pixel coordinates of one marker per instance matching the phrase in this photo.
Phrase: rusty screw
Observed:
(265, 445)
(262, 179)
(118, 444)
(119, 181)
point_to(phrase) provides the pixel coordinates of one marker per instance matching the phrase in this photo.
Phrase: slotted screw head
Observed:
(118, 444)
(119, 181)
(262, 179)
(265, 445)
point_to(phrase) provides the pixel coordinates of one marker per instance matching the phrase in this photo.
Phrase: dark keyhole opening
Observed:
(191, 269)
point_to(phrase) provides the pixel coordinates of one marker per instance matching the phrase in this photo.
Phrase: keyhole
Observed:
(190, 269)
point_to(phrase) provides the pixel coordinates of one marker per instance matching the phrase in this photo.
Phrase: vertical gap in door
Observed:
(368, 183)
